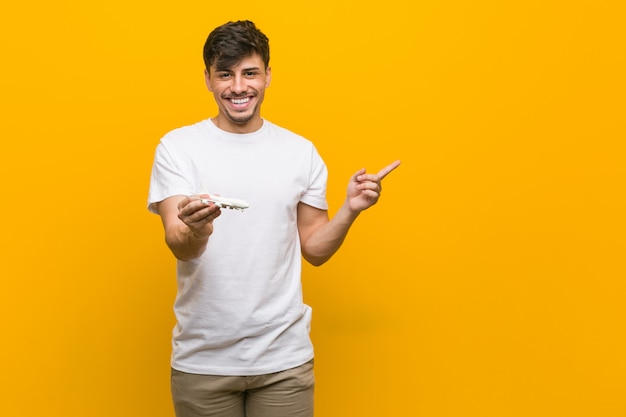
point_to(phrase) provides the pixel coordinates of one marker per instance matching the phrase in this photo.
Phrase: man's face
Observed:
(239, 92)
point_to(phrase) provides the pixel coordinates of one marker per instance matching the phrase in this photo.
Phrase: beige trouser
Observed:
(283, 394)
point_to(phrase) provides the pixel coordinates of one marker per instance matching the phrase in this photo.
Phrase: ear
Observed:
(268, 76)
(207, 79)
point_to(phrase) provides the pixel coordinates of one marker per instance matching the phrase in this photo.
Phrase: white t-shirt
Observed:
(239, 307)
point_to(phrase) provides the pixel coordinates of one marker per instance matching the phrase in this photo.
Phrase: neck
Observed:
(232, 126)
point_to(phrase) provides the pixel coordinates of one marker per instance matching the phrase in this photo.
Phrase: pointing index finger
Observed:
(386, 170)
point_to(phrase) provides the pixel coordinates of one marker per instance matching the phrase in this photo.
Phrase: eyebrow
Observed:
(243, 69)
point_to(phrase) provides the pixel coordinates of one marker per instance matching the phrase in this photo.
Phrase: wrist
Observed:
(348, 212)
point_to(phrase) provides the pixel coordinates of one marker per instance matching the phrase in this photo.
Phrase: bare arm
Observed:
(320, 237)
(188, 223)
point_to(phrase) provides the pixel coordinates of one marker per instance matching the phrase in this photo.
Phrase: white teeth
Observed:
(240, 100)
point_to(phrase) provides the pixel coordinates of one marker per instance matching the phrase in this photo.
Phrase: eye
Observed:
(223, 75)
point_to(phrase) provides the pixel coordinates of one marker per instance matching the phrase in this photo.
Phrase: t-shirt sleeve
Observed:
(168, 177)
(315, 195)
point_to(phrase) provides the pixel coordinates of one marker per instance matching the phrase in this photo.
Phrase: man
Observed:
(241, 344)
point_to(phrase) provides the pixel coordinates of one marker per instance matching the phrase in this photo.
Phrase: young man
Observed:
(241, 344)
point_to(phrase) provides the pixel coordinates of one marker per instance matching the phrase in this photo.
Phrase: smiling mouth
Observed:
(240, 101)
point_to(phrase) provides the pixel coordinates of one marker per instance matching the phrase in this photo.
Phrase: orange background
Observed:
(489, 280)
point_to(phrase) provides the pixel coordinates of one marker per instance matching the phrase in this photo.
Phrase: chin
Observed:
(241, 118)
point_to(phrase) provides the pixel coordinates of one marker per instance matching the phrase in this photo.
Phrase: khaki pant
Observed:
(283, 394)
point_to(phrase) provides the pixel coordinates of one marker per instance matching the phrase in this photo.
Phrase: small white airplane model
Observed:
(224, 202)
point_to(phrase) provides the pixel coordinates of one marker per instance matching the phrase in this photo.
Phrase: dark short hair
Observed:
(228, 44)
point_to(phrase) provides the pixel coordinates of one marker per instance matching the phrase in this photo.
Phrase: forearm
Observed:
(327, 239)
(183, 243)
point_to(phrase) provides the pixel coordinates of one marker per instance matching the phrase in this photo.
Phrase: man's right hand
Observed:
(198, 215)
(188, 223)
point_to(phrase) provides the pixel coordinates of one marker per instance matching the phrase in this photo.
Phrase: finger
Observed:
(195, 209)
(370, 185)
(355, 176)
(190, 199)
(210, 217)
(186, 207)
(386, 170)
(201, 217)
(184, 201)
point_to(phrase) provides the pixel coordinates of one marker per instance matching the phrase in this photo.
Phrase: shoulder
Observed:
(282, 133)
(186, 133)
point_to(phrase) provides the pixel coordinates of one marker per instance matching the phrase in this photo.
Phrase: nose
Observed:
(238, 85)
